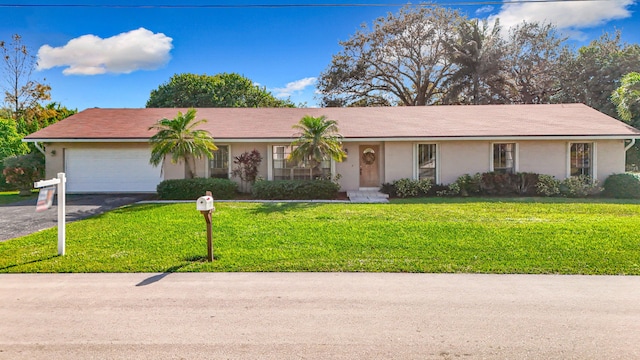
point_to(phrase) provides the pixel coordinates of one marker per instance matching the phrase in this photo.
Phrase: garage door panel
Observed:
(110, 170)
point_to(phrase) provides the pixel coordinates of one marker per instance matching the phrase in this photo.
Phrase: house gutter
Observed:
(355, 139)
(633, 142)
(39, 147)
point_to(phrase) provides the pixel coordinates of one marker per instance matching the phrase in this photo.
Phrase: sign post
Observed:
(60, 181)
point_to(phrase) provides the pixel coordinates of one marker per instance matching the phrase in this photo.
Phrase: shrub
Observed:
(389, 189)
(493, 183)
(579, 186)
(525, 183)
(452, 189)
(247, 169)
(407, 188)
(548, 186)
(465, 185)
(23, 170)
(411, 188)
(191, 189)
(623, 186)
(437, 189)
(295, 190)
(4, 185)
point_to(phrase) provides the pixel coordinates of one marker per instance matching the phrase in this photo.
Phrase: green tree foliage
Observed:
(38, 117)
(627, 98)
(401, 60)
(21, 92)
(318, 139)
(10, 140)
(220, 90)
(591, 75)
(179, 139)
(10, 145)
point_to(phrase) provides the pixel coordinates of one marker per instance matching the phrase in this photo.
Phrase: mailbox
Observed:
(205, 203)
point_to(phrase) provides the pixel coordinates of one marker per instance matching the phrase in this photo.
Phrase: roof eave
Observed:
(358, 139)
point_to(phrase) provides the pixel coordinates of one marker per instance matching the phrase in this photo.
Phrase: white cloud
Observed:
(294, 86)
(124, 53)
(484, 9)
(568, 16)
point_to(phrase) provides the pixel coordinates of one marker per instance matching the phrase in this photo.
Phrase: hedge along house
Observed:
(107, 150)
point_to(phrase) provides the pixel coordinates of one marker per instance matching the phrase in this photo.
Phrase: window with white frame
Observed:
(285, 169)
(581, 159)
(504, 158)
(219, 163)
(427, 162)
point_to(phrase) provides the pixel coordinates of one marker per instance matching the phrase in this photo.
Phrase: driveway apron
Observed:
(19, 219)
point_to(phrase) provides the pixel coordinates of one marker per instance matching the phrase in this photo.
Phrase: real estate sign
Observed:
(45, 198)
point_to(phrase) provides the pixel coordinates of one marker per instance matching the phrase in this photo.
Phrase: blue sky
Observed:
(112, 57)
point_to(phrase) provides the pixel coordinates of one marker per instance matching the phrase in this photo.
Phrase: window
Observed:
(219, 163)
(581, 159)
(285, 169)
(427, 162)
(504, 158)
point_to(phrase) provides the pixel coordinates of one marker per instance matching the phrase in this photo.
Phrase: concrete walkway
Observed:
(367, 196)
(318, 316)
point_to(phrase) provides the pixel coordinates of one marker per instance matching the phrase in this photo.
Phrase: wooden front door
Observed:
(369, 169)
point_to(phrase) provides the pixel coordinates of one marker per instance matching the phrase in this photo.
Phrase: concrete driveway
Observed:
(19, 219)
(318, 316)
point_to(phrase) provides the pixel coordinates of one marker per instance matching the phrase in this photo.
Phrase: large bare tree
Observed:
(401, 60)
(534, 51)
(21, 92)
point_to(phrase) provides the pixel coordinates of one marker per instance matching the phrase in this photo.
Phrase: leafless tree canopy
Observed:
(401, 60)
(17, 65)
(432, 55)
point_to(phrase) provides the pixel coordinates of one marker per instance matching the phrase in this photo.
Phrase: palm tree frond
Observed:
(179, 138)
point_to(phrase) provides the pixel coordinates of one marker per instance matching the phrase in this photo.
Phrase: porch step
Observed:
(367, 196)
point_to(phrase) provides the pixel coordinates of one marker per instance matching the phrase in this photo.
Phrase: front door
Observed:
(369, 170)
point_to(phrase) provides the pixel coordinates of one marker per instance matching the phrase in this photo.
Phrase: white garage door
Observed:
(110, 170)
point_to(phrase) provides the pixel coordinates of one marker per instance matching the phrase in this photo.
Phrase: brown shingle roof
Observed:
(374, 122)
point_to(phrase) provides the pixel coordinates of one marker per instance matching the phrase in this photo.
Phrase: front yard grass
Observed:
(533, 236)
(8, 197)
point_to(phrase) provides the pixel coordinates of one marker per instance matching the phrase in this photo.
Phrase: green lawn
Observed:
(8, 197)
(556, 236)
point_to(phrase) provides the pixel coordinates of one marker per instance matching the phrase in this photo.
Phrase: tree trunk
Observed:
(190, 167)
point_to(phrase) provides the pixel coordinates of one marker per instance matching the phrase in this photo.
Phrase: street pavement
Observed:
(318, 316)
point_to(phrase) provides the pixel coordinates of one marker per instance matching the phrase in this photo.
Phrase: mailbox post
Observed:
(204, 204)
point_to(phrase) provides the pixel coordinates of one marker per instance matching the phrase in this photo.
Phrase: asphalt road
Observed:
(318, 316)
(19, 219)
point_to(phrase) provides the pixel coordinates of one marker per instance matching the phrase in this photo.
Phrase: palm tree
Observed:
(318, 139)
(179, 138)
(627, 98)
(479, 56)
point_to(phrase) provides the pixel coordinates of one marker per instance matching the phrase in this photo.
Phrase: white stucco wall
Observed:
(543, 157)
(397, 159)
(462, 157)
(610, 157)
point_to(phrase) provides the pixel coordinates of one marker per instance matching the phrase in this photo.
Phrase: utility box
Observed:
(205, 203)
